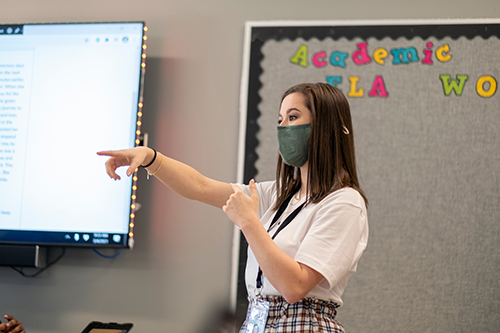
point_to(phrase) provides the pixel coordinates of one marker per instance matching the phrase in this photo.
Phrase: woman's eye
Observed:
(292, 118)
(279, 121)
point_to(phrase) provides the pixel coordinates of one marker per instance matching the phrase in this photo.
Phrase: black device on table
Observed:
(98, 327)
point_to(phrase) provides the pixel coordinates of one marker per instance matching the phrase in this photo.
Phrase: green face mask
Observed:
(293, 142)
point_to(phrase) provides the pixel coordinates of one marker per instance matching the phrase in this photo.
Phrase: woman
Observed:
(306, 230)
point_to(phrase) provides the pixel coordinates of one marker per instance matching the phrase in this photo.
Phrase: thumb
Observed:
(134, 166)
(253, 190)
(131, 170)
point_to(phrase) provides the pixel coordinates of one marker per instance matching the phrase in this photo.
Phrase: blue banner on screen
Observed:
(66, 92)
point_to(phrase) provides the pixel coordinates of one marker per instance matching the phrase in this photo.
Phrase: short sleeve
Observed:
(337, 237)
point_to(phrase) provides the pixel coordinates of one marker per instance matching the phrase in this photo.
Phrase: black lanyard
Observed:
(281, 227)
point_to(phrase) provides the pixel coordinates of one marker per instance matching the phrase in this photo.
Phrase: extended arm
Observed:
(178, 176)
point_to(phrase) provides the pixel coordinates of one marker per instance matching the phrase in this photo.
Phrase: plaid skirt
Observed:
(306, 316)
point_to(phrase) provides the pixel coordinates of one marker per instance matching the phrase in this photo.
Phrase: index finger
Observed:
(107, 153)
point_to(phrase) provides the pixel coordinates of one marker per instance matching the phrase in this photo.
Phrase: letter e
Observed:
(379, 55)
(334, 80)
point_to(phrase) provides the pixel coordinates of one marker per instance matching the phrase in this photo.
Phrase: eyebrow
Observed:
(290, 110)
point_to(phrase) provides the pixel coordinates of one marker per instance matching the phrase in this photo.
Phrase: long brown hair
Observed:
(332, 162)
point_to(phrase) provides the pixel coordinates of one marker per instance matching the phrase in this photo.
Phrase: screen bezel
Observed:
(60, 238)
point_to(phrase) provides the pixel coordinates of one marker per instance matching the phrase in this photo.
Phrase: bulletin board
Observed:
(426, 115)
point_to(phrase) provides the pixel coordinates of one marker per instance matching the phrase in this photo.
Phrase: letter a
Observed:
(378, 86)
(338, 59)
(300, 57)
(449, 85)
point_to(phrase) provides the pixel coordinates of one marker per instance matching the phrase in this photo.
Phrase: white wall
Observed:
(177, 277)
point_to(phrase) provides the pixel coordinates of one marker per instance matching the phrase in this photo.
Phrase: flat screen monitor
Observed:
(66, 92)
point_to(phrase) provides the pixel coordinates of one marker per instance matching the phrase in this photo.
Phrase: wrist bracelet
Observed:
(157, 169)
(152, 161)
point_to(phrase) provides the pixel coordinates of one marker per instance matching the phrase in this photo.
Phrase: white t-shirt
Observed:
(329, 237)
